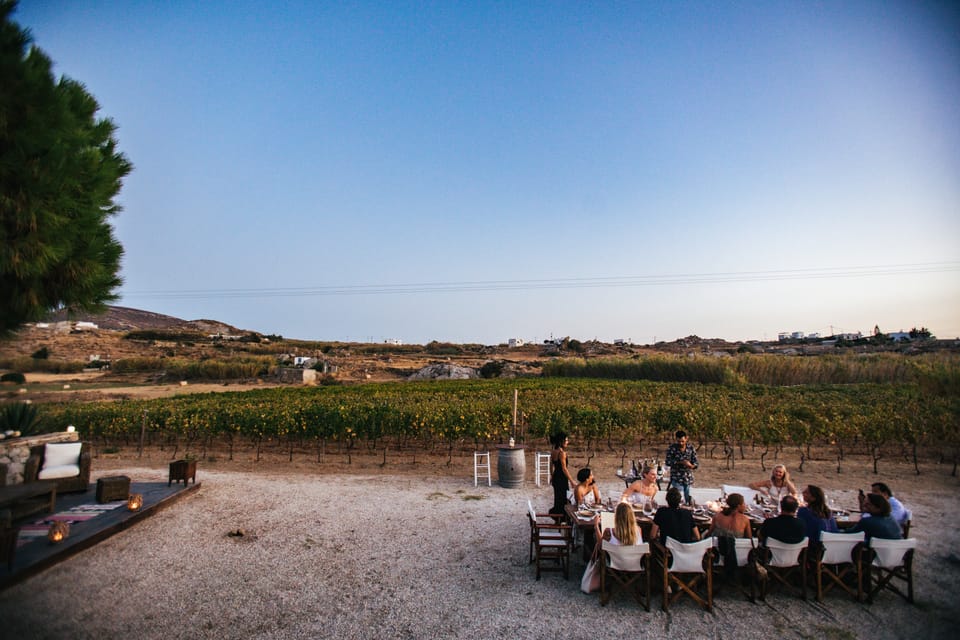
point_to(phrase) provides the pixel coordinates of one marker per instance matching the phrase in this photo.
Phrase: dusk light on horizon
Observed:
(474, 172)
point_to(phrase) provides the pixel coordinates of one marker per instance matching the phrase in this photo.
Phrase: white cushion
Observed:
(63, 471)
(59, 454)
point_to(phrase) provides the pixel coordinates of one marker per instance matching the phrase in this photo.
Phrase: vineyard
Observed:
(868, 419)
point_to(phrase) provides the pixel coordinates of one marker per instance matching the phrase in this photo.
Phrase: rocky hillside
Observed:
(127, 319)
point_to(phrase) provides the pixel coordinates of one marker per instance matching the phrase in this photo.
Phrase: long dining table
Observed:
(587, 518)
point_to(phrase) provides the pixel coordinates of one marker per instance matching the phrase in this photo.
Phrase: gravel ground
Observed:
(406, 556)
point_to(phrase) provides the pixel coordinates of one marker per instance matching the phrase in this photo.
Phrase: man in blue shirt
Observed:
(879, 524)
(898, 512)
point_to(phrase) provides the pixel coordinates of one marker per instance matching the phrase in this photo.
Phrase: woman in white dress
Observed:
(643, 489)
(777, 486)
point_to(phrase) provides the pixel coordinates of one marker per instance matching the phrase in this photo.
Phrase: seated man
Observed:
(785, 527)
(674, 522)
(879, 524)
(898, 512)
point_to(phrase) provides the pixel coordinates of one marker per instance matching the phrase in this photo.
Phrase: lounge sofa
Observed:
(70, 469)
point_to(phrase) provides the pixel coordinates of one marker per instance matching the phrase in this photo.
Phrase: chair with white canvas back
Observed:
(534, 518)
(481, 467)
(607, 520)
(687, 569)
(626, 567)
(907, 524)
(549, 542)
(738, 552)
(838, 559)
(886, 561)
(749, 495)
(782, 561)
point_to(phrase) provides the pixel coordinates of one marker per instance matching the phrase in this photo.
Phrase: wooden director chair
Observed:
(687, 569)
(627, 568)
(838, 559)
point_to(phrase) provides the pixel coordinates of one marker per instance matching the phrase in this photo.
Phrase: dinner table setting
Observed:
(586, 516)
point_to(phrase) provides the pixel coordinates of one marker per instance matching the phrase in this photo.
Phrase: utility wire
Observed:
(552, 283)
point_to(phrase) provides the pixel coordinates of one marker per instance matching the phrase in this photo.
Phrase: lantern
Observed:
(135, 501)
(58, 532)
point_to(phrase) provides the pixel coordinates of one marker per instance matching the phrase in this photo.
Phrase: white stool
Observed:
(481, 467)
(542, 467)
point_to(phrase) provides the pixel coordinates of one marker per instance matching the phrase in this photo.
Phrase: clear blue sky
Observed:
(477, 171)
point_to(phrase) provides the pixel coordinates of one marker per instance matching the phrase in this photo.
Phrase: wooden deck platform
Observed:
(39, 554)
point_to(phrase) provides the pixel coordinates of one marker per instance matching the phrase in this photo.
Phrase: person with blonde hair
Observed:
(643, 489)
(778, 485)
(625, 530)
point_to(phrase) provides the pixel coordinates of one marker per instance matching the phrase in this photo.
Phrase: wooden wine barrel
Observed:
(511, 466)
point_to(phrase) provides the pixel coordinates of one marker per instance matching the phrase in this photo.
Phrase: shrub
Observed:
(491, 369)
(19, 416)
(14, 376)
(443, 349)
(41, 354)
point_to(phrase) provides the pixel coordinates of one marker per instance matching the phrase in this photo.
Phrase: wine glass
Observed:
(647, 507)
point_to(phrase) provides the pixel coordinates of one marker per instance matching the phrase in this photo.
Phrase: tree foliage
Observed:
(59, 173)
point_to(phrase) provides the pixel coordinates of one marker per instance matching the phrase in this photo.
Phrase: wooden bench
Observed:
(26, 499)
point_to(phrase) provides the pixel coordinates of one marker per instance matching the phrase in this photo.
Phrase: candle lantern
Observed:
(135, 501)
(58, 532)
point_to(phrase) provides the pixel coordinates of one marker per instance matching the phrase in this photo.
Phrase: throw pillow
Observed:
(61, 454)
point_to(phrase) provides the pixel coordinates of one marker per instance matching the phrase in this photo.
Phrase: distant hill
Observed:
(127, 319)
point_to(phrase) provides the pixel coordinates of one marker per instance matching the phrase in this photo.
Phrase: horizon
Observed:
(471, 173)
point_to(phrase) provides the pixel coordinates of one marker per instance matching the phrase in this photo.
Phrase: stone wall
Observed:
(15, 451)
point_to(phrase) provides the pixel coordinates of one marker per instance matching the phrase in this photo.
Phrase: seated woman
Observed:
(816, 515)
(777, 485)
(643, 488)
(625, 530)
(732, 521)
(674, 522)
(586, 491)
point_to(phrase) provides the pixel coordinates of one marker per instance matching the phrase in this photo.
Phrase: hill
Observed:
(127, 319)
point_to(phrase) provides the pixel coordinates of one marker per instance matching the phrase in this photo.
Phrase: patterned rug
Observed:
(80, 513)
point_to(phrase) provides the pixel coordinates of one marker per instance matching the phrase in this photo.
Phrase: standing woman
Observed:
(561, 478)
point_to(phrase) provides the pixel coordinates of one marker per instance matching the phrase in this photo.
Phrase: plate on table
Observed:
(585, 514)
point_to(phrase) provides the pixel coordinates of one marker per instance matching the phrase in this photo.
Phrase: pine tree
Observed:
(59, 173)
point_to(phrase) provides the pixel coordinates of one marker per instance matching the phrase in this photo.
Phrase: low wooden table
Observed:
(112, 488)
(29, 498)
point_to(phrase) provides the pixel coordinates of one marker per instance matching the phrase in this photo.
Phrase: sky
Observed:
(479, 171)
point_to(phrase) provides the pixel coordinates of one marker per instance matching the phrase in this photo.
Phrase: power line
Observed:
(553, 283)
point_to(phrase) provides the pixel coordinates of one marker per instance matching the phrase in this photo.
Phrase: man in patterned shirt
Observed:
(682, 460)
